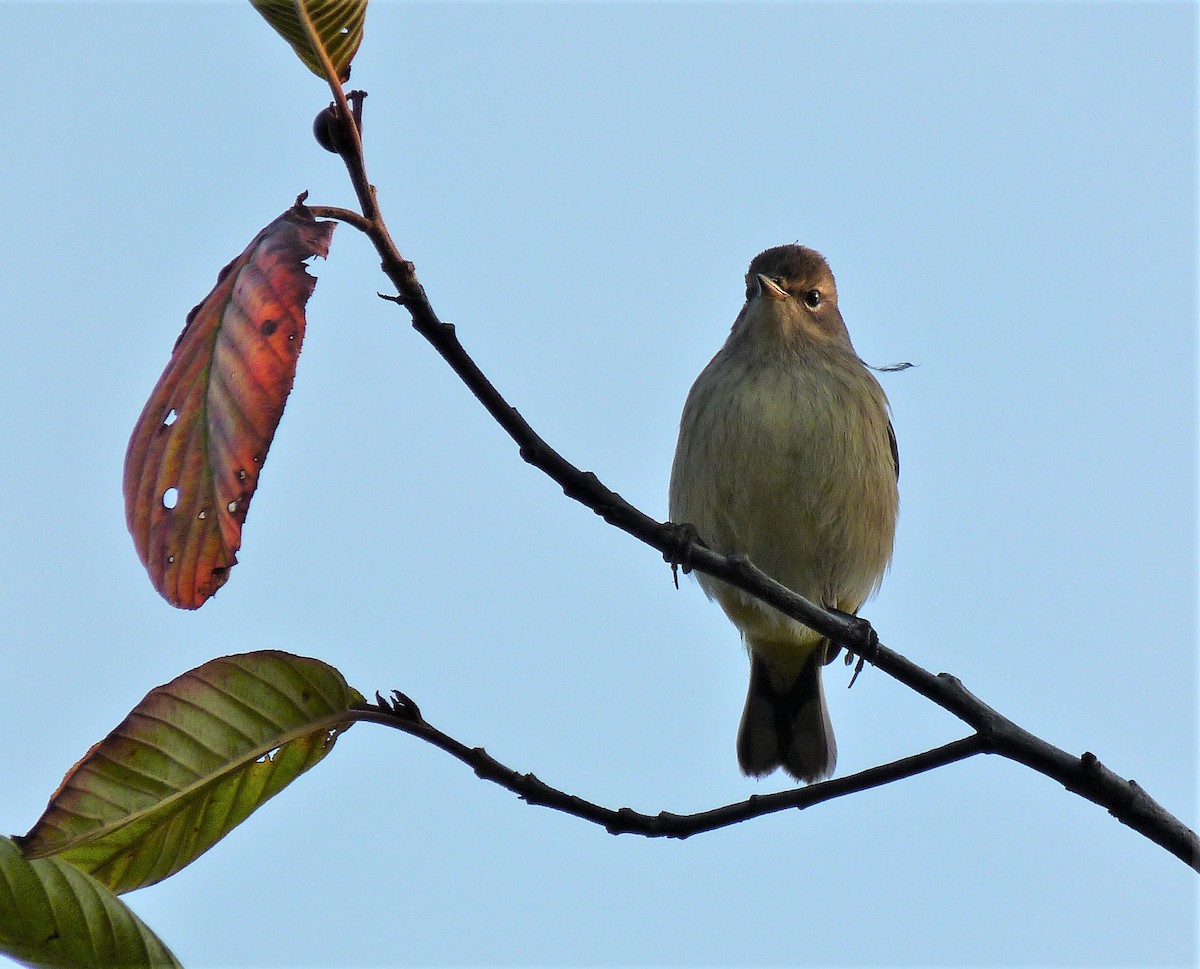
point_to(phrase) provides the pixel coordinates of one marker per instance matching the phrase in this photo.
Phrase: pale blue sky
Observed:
(1007, 194)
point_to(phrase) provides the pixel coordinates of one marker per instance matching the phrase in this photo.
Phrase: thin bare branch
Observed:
(399, 714)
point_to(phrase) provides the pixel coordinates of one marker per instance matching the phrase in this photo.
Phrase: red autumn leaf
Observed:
(196, 452)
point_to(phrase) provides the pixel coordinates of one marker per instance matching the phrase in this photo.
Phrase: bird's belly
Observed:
(812, 503)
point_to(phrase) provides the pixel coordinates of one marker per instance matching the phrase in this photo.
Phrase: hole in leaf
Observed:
(267, 757)
(241, 474)
(171, 418)
(170, 498)
(170, 560)
(232, 507)
(202, 515)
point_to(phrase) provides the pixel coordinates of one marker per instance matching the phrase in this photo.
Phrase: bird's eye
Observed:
(812, 298)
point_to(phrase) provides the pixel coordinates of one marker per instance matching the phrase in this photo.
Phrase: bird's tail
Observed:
(786, 723)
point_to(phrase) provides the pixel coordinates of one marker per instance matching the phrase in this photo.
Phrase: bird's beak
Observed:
(769, 288)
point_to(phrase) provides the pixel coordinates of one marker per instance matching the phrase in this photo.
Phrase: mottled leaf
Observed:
(52, 914)
(190, 763)
(197, 450)
(338, 25)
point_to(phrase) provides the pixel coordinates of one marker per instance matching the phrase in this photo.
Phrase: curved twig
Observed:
(401, 714)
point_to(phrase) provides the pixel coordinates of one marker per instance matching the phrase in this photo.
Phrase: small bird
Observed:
(787, 455)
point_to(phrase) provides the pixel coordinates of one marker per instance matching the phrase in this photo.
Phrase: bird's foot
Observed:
(861, 638)
(678, 554)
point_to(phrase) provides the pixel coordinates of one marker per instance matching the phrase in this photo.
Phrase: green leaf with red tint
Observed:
(195, 455)
(192, 761)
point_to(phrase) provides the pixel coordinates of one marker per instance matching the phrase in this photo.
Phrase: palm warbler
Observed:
(786, 454)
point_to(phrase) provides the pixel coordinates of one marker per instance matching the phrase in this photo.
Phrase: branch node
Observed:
(587, 489)
(632, 821)
(483, 762)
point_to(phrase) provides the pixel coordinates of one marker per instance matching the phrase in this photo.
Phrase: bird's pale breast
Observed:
(792, 466)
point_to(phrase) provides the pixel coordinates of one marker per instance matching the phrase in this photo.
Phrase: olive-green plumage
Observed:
(786, 454)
